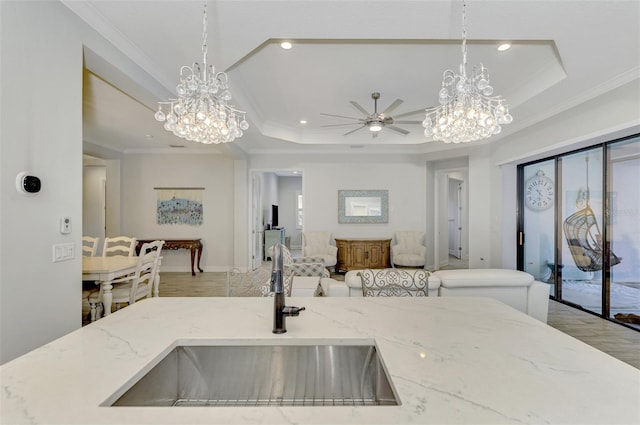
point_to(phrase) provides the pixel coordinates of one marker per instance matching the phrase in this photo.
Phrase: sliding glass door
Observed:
(539, 221)
(579, 227)
(623, 231)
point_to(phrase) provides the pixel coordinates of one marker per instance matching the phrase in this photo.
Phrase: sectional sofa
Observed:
(516, 288)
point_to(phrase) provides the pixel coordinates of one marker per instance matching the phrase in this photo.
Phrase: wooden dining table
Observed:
(103, 270)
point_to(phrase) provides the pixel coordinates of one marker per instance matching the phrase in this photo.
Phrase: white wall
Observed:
(481, 209)
(403, 176)
(114, 210)
(508, 218)
(93, 201)
(142, 173)
(41, 132)
(242, 216)
(287, 187)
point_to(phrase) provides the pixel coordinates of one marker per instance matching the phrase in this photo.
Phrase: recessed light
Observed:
(503, 47)
(303, 121)
(148, 136)
(286, 45)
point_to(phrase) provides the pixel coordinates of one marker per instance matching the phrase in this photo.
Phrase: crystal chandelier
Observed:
(201, 112)
(467, 111)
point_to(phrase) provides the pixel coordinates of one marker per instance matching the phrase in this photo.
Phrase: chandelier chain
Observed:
(204, 35)
(464, 38)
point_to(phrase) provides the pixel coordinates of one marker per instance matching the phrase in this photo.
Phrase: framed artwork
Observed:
(179, 205)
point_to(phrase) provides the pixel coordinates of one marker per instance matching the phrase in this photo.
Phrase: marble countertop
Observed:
(451, 360)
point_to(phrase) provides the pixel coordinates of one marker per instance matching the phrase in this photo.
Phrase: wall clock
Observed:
(539, 192)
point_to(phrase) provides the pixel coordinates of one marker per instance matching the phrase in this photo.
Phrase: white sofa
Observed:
(515, 288)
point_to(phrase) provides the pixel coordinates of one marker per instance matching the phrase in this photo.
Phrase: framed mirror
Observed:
(363, 206)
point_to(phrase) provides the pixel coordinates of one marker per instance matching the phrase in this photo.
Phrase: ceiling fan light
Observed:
(375, 126)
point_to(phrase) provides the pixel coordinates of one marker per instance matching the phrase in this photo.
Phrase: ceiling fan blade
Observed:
(407, 122)
(342, 125)
(341, 116)
(393, 106)
(359, 108)
(353, 131)
(406, 114)
(398, 129)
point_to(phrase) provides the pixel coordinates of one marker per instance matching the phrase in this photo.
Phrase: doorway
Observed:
(281, 189)
(455, 217)
(450, 214)
(94, 180)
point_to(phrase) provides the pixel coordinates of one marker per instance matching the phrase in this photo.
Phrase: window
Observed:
(298, 210)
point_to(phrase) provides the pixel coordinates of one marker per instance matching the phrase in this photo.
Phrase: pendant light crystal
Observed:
(467, 110)
(201, 112)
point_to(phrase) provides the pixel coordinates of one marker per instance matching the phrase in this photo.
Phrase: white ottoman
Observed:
(306, 286)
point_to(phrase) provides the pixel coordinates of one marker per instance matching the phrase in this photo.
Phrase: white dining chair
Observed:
(119, 245)
(89, 249)
(89, 246)
(136, 286)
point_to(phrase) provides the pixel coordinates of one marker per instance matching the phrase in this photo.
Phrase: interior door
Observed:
(455, 218)
(256, 231)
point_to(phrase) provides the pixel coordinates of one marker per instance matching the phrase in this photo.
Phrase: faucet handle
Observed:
(292, 311)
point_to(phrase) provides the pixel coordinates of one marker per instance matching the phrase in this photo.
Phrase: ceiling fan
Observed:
(376, 121)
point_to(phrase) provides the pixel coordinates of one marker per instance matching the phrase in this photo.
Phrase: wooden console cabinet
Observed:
(363, 253)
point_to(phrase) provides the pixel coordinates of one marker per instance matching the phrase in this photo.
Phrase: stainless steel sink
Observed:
(265, 375)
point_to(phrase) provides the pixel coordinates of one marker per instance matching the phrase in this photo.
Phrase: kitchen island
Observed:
(450, 359)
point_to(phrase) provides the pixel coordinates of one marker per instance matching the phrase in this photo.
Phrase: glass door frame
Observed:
(605, 210)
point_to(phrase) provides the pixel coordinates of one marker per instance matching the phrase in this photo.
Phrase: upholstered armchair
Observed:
(318, 244)
(409, 250)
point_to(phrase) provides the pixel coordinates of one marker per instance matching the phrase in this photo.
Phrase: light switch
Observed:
(64, 251)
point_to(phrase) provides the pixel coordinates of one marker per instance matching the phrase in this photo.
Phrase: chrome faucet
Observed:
(280, 310)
